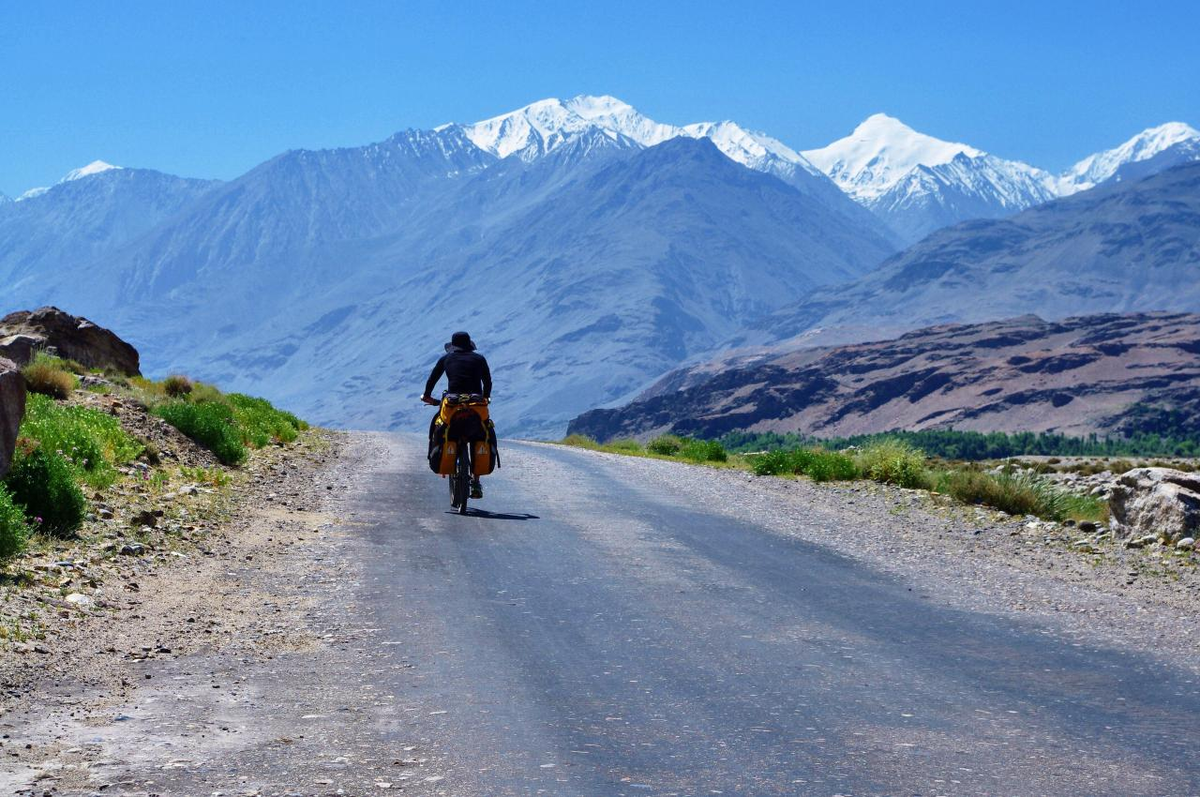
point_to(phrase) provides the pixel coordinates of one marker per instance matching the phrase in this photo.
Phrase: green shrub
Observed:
(703, 451)
(14, 529)
(624, 445)
(260, 422)
(90, 441)
(665, 445)
(580, 441)
(43, 484)
(1020, 494)
(893, 462)
(49, 376)
(177, 385)
(825, 466)
(816, 463)
(209, 423)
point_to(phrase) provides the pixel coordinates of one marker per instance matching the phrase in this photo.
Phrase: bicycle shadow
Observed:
(486, 515)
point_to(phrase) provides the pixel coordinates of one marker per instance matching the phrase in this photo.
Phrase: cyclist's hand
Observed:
(432, 401)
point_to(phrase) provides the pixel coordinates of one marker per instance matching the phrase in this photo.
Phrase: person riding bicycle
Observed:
(467, 372)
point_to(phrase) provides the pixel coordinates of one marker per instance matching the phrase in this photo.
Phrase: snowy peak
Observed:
(543, 126)
(1095, 169)
(95, 167)
(880, 152)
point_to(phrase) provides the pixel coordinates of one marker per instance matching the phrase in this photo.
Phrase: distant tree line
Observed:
(953, 444)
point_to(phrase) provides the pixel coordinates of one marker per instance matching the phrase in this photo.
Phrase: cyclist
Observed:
(466, 371)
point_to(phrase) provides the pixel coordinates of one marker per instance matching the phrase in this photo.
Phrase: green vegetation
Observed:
(666, 445)
(91, 442)
(14, 529)
(702, 451)
(177, 385)
(1019, 494)
(227, 425)
(952, 444)
(893, 462)
(818, 464)
(209, 423)
(43, 484)
(50, 376)
(885, 459)
(261, 423)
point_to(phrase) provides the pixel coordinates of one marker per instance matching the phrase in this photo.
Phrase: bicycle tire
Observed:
(462, 486)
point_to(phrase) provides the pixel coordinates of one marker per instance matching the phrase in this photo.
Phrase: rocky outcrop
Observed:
(72, 337)
(1108, 374)
(12, 409)
(1159, 503)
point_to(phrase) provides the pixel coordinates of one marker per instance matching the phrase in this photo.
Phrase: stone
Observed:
(12, 410)
(133, 549)
(78, 599)
(1159, 502)
(23, 333)
(1186, 544)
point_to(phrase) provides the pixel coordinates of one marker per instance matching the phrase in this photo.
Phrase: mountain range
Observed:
(1129, 245)
(588, 247)
(1076, 376)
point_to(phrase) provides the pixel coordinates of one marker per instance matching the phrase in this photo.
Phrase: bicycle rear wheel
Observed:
(461, 481)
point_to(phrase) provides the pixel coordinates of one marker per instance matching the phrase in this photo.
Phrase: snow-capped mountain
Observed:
(95, 167)
(542, 127)
(584, 260)
(1103, 166)
(917, 183)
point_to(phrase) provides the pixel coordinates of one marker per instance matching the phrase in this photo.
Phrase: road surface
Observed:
(599, 630)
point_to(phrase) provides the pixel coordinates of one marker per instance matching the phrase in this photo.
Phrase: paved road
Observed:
(596, 635)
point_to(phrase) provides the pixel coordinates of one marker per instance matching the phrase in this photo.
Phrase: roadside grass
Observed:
(226, 424)
(64, 449)
(887, 461)
(14, 528)
(91, 442)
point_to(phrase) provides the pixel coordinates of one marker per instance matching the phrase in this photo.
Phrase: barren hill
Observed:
(1076, 376)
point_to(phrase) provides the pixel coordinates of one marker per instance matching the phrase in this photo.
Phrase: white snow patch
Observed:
(1096, 168)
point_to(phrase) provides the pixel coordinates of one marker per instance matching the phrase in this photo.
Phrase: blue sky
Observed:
(210, 89)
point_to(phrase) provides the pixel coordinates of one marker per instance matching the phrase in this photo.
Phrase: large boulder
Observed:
(66, 335)
(1156, 501)
(12, 410)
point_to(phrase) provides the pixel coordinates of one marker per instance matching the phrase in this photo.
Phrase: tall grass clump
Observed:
(581, 441)
(624, 445)
(209, 423)
(91, 442)
(702, 451)
(666, 445)
(14, 530)
(816, 463)
(177, 385)
(43, 484)
(49, 376)
(895, 462)
(1019, 494)
(260, 422)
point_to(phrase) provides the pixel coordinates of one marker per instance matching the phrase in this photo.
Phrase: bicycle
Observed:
(470, 436)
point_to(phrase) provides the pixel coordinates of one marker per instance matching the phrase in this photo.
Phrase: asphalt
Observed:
(591, 633)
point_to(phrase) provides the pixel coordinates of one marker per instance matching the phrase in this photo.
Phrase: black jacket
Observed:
(466, 371)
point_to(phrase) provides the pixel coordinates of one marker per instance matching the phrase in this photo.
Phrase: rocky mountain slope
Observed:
(1076, 376)
(54, 236)
(584, 272)
(1127, 246)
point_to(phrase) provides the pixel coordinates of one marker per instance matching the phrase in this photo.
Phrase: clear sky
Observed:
(209, 89)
